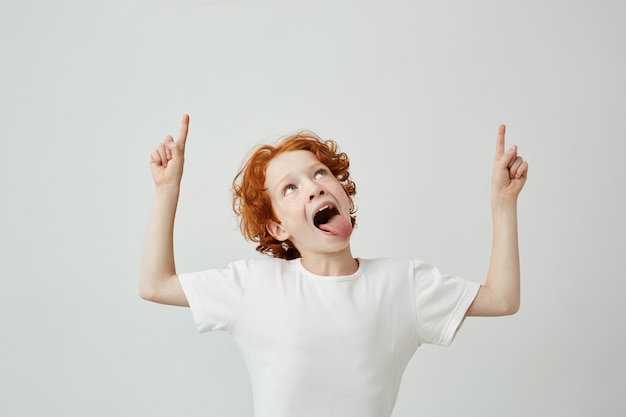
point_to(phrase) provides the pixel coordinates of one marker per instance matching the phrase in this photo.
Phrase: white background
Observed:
(412, 91)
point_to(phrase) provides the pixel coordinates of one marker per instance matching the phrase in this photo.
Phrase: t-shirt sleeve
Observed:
(214, 295)
(441, 303)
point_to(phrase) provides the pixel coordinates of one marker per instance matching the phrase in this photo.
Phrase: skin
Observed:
(158, 281)
(500, 295)
(298, 184)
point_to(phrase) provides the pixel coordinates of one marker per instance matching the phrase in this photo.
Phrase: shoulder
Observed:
(389, 271)
(414, 271)
(260, 262)
(241, 269)
(391, 265)
(262, 266)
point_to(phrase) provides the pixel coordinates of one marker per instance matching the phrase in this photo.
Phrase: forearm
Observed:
(503, 277)
(500, 295)
(158, 265)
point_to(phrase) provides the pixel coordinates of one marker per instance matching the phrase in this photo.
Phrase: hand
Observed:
(167, 160)
(509, 170)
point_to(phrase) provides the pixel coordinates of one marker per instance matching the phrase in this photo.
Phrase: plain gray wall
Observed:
(413, 91)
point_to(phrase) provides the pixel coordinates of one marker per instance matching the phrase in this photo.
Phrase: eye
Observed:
(321, 173)
(289, 189)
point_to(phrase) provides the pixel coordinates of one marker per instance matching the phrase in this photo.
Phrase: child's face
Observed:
(312, 207)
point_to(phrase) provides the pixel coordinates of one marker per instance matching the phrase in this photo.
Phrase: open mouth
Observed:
(329, 220)
(324, 215)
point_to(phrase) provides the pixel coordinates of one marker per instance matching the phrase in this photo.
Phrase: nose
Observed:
(316, 191)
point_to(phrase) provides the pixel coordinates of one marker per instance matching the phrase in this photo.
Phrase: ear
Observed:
(277, 231)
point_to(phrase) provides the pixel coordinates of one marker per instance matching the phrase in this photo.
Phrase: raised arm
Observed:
(500, 295)
(158, 281)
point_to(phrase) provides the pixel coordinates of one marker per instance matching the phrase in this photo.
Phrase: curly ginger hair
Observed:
(251, 202)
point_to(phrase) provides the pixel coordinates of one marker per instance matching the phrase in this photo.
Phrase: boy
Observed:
(323, 333)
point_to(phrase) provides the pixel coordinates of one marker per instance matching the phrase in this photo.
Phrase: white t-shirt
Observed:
(325, 346)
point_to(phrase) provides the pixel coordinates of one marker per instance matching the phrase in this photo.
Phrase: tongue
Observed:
(338, 225)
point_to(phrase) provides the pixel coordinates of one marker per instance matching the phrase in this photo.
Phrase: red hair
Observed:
(252, 203)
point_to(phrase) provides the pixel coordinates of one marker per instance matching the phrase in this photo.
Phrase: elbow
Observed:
(510, 308)
(504, 306)
(147, 293)
(492, 303)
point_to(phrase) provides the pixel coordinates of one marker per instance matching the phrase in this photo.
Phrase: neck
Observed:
(330, 264)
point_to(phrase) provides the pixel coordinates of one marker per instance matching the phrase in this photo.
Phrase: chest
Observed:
(321, 316)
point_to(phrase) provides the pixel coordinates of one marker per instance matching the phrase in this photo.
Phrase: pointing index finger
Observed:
(184, 128)
(500, 141)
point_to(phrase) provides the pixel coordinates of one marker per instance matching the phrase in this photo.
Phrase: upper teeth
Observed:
(324, 208)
